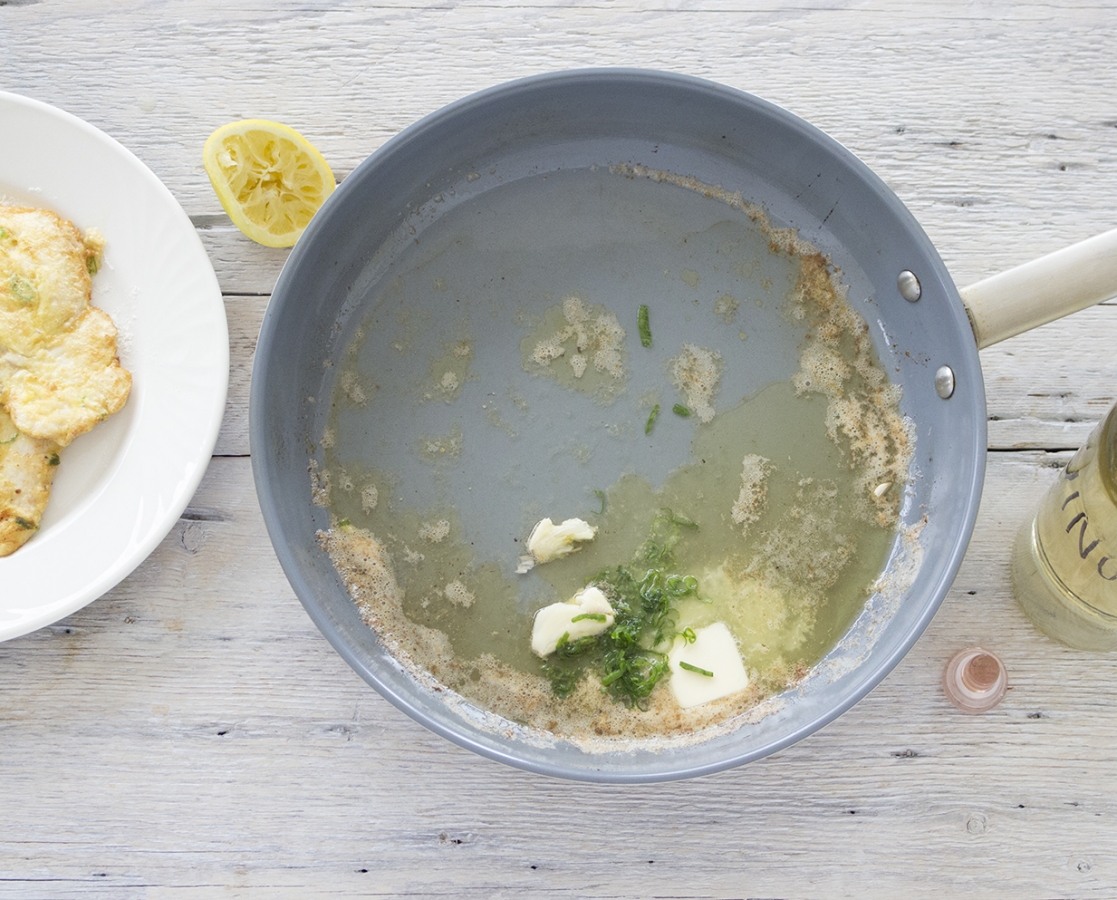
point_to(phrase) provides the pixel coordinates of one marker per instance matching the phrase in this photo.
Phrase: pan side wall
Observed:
(723, 138)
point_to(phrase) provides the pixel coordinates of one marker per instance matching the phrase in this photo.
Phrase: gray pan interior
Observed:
(502, 201)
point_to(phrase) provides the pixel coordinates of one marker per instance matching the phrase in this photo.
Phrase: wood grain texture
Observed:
(244, 315)
(994, 122)
(191, 734)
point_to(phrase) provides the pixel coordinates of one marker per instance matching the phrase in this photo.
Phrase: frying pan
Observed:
(504, 198)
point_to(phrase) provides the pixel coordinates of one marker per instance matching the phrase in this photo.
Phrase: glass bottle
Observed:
(1064, 562)
(974, 680)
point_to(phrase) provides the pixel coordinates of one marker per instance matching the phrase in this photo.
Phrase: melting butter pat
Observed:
(587, 613)
(713, 651)
(550, 541)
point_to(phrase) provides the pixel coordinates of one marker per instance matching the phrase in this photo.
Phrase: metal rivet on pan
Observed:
(909, 286)
(944, 382)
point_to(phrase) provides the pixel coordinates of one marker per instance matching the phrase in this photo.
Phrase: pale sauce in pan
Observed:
(795, 487)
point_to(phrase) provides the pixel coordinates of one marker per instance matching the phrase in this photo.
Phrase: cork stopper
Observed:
(974, 680)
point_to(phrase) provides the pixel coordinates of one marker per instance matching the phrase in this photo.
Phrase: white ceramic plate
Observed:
(121, 487)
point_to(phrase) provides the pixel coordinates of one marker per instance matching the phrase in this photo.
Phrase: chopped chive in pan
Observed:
(644, 325)
(690, 668)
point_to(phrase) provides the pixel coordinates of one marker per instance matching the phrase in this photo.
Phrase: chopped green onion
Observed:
(593, 617)
(344, 523)
(680, 410)
(564, 681)
(652, 416)
(600, 495)
(566, 648)
(612, 677)
(644, 326)
(628, 655)
(676, 586)
(9, 440)
(690, 668)
(54, 460)
(689, 636)
(92, 265)
(23, 523)
(22, 289)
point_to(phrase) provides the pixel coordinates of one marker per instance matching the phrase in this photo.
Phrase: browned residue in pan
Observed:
(837, 360)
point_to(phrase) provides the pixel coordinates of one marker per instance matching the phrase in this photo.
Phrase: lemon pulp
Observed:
(269, 179)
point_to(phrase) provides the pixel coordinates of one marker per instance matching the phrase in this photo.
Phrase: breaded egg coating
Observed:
(27, 467)
(59, 372)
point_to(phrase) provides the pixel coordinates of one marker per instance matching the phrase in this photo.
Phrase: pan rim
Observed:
(265, 470)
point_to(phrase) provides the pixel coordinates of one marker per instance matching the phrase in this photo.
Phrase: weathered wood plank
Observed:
(244, 315)
(1000, 162)
(242, 266)
(1049, 387)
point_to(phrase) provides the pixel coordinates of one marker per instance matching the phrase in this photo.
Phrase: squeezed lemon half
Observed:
(269, 178)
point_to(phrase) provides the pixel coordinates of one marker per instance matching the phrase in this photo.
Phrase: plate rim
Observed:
(210, 397)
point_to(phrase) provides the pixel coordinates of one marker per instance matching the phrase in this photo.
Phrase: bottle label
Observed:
(1076, 529)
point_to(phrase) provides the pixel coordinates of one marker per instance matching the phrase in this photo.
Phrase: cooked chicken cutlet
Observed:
(27, 467)
(59, 372)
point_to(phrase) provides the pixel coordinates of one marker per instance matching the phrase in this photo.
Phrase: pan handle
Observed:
(1043, 290)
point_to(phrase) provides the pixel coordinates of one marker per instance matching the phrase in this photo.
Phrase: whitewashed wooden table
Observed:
(192, 735)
